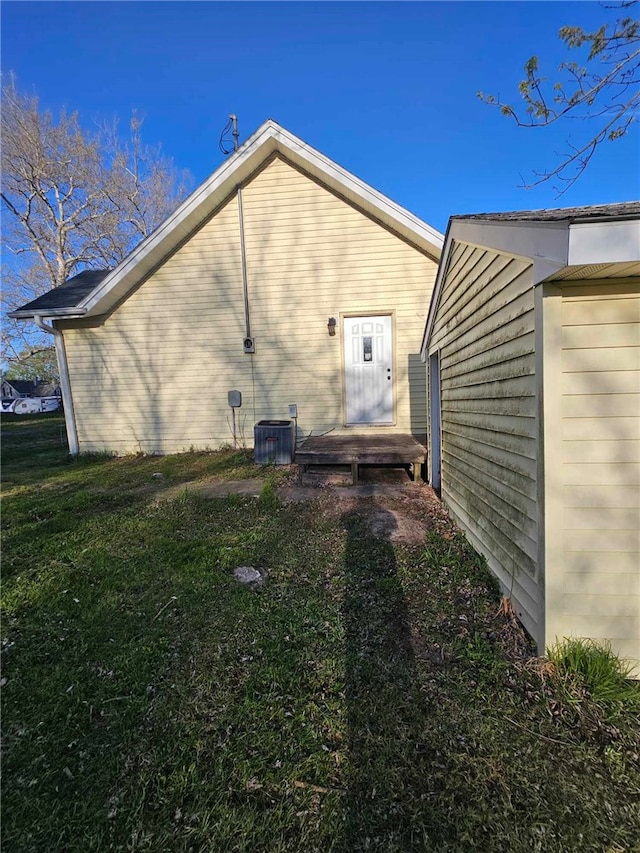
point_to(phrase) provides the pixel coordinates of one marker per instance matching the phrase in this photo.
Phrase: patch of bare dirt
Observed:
(402, 514)
(385, 523)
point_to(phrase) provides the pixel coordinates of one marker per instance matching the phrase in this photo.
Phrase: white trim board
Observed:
(268, 140)
(551, 246)
(604, 242)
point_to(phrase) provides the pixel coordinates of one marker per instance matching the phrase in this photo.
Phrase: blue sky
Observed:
(387, 89)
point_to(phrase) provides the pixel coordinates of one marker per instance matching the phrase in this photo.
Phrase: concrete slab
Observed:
(376, 482)
(251, 488)
(298, 493)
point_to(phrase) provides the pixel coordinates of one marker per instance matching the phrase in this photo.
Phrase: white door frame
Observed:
(351, 315)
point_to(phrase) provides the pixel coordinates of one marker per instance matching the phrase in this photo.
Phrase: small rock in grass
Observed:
(158, 474)
(248, 575)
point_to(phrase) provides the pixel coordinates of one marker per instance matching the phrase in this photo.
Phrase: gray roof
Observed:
(34, 387)
(69, 294)
(591, 213)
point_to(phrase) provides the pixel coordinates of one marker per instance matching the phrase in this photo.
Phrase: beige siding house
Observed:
(240, 290)
(533, 351)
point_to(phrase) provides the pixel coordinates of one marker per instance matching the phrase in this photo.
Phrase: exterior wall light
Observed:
(331, 326)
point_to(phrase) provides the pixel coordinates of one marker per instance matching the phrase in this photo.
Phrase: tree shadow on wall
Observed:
(388, 754)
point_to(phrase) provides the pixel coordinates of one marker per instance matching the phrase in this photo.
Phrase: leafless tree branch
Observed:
(71, 199)
(597, 92)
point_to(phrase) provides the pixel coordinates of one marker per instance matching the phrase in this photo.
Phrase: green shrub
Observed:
(589, 666)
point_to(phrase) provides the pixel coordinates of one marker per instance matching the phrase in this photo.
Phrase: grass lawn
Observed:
(368, 696)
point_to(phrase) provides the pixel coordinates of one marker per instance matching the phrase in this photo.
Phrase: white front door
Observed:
(368, 363)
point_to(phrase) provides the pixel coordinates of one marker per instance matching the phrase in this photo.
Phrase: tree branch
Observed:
(616, 49)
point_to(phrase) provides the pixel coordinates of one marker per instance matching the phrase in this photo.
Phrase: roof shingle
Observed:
(69, 294)
(590, 213)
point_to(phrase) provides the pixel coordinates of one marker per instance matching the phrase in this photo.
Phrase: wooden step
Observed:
(359, 449)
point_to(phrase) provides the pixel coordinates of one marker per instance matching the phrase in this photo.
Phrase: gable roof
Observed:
(22, 386)
(563, 243)
(588, 213)
(66, 296)
(268, 140)
(33, 387)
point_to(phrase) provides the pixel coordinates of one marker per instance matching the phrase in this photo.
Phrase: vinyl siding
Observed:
(484, 331)
(595, 578)
(154, 375)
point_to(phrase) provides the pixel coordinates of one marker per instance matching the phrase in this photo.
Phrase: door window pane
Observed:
(367, 348)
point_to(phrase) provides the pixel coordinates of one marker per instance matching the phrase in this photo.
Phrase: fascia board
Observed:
(604, 242)
(545, 244)
(437, 289)
(363, 195)
(58, 313)
(268, 139)
(172, 231)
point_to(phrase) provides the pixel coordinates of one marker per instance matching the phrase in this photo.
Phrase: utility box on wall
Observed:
(273, 442)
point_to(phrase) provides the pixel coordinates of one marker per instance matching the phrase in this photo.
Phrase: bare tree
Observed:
(71, 199)
(41, 365)
(602, 91)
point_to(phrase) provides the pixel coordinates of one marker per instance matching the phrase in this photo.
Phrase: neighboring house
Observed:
(17, 388)
(533, 349)
(280, 276)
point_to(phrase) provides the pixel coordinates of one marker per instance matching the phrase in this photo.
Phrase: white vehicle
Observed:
(49, 404)
(27, 406)
(33, 405)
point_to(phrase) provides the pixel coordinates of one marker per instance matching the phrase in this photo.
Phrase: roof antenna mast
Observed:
(236, 136)
(223, 144)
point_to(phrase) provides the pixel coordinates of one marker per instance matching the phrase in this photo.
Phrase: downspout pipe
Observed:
(65, 384)
(243, 259)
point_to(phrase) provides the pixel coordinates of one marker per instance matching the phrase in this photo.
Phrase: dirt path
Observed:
(395, 508)
(399, 513)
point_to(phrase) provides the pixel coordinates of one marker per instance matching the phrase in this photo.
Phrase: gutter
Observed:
(65, 383)
(73, 313)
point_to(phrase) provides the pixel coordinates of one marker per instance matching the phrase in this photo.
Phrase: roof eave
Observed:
(371, 200)
(270, 138)
(545, 244)
(204, 200)
(551, 246)
(608, 242)
(437, 287)
(51, 313)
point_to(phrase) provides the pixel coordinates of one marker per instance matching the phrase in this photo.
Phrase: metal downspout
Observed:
(65, 384)
(245, 291)
(243, 257)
